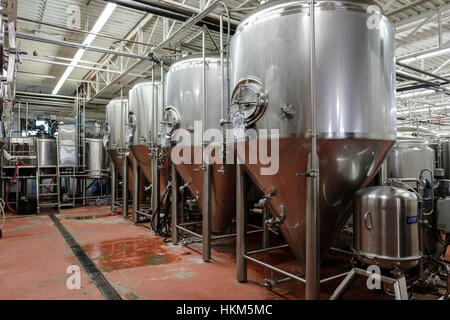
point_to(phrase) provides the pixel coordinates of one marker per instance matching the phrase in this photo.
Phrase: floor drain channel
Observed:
(94, 273)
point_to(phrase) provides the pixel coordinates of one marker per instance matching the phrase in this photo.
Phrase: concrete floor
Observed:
(138, 264)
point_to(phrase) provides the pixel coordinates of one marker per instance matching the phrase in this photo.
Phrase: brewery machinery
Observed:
(47, 170)
(333, 131)
(193, 101)
(401, 226)
(117, 138)
(146, 108)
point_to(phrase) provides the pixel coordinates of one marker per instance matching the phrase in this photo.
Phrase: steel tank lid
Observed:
(386, 191)
(145, 83)
(282, 7)
(195, 59)
(94, 139)
(118, 99)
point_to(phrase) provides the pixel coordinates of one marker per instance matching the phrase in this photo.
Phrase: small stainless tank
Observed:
(47, 152)
(95, 157)
(386, 230)
(409, 157)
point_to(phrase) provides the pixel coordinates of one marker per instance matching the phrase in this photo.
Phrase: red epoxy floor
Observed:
(140, 265)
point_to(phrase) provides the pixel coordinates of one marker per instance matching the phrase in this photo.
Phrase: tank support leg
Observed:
(113, 187)
(241, 249)
(124, 186)
(155, 188)
(345, 284)
(399, 283)
(135, 190)
(175, 204)
(401, 291)
(206, 213)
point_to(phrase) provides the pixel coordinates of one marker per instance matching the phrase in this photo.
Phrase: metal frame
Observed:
(400, 288)
(243, 255)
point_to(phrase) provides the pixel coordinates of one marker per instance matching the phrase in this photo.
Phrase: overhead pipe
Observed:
(90, 48)
(184, 12)
(422, 71)
(167, 13)
(188, 24)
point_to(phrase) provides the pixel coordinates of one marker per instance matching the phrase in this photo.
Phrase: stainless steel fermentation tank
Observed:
(117, 119)
(386, 231)
(183, 106)
(144, 98)
(355, 105)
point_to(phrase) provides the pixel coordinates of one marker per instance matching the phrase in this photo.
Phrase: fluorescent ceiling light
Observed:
(109, 9)
(427, 55)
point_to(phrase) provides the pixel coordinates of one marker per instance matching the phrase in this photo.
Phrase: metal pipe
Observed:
(313, 201)
(241, 263)
(175, 204)
(135, 190)
(290, 275)
(124, 186)
(206, 213)
(189, 23)
(190, 232)
(88, 48)
(249, 253)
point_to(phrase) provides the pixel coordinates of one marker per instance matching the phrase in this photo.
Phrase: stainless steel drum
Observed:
(183, 107)
(47, 152)
(95, 157)
(409, 157)
(386, 230)
(355, 97)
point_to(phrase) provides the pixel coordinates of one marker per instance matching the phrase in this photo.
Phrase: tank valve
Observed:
(185, 185)
(262, 202)
(309, 174)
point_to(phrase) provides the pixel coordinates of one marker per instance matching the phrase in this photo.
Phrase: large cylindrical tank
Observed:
(47, 152)
(183, 108)
(385, 224)
(355, 105)
(117, 119)
(445, 156)
(119, 133)
(146, 102)
(95, 157)
(143, 99)
(409, 157)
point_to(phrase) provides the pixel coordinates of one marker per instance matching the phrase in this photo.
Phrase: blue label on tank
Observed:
(411, 220)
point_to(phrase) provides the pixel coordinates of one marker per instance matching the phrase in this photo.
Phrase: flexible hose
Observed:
(10, 186)
(48, 189)
(2, 208)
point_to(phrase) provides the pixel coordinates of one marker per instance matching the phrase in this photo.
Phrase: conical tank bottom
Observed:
(117, 159)
(142, 155)
(346, 165)
(223, 193)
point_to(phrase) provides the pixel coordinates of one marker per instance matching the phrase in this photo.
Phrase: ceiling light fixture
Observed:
(107, 12)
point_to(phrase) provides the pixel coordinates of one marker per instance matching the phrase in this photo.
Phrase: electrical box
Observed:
(443, 212)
